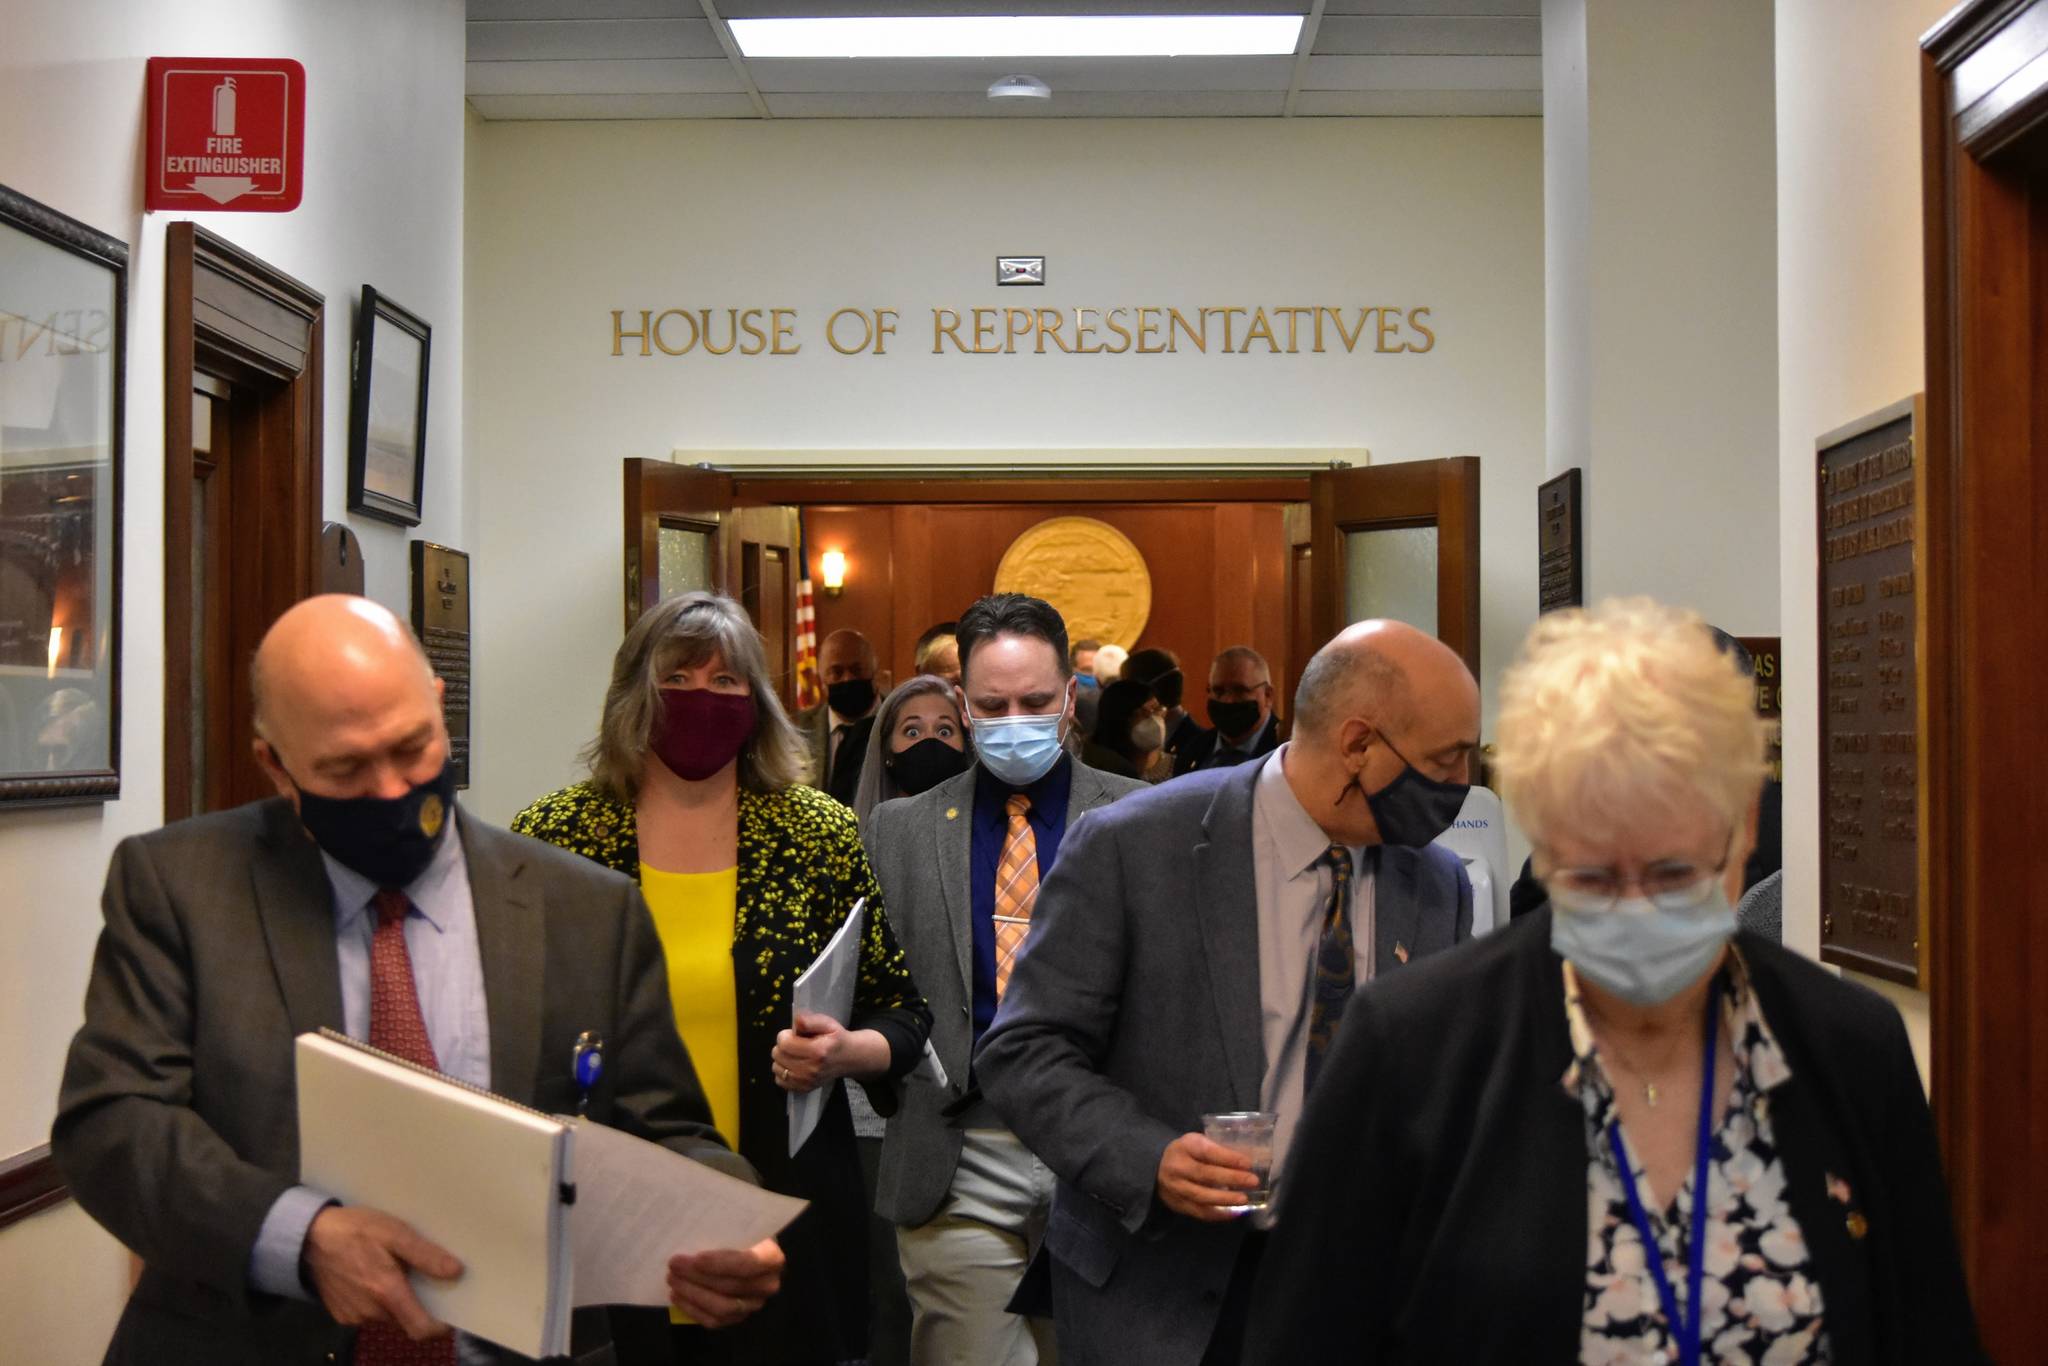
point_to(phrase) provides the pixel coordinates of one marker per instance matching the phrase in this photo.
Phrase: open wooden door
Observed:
(1398, 541)
(687, 529)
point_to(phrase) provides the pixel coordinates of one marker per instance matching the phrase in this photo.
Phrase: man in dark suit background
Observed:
(360, 899)
(1241, 718)
(958, 864)
(833, 731)
(1192, 952)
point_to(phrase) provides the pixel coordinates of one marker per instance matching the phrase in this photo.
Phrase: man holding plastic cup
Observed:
(1191, 954)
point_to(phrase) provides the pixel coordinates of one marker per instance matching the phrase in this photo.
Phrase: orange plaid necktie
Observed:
(1016, 889)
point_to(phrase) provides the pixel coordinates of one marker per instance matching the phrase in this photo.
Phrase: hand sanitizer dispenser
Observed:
(1479, 837)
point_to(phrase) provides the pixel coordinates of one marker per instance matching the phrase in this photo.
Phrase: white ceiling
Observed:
(666, 59)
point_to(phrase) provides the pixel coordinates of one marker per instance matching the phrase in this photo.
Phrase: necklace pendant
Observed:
(1650, 1093)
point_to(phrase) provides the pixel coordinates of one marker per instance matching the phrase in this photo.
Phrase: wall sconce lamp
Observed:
(832, 570)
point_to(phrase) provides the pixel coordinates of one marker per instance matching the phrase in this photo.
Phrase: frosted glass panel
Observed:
(1391, 573)
(685, 560)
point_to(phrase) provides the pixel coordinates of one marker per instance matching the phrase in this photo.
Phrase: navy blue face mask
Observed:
(1413, 810)
(389, 840)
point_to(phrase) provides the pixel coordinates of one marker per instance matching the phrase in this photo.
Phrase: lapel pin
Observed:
(1858, 1225)
(952, 813)
(1400, 951)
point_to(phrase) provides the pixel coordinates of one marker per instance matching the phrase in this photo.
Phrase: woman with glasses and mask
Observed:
(1130, 734)
(1634, 1134)
(918, 743)
(695, 791)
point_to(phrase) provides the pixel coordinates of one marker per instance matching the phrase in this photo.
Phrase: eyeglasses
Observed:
(1672, 884)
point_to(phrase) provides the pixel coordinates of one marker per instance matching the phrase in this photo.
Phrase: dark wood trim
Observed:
(230, 313)
(1440, 493)
(1984, 481)
(29, 1184)
(658, 491)
(1017, 486)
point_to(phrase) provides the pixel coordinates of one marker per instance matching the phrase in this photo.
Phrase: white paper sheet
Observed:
(638, 1204)
(826, 988)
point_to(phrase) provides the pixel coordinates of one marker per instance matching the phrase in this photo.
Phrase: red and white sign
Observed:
(226, 133)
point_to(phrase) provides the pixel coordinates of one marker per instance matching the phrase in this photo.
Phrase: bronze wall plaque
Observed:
(1560, 549)
(1765, 653)
(440, 617)
(1873, 904)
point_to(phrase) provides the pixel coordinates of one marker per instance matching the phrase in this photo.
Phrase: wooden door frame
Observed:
(1441, 493)
(1016, 485)
(231, 313)
(1984, 123)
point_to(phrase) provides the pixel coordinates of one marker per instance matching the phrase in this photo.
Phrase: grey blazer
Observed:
(177, 1125)
(1133, 1011)
(922, 849)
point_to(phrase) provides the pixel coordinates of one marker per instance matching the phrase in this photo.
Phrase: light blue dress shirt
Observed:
(448, 974)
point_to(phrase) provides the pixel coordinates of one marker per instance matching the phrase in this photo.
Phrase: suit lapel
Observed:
(953, 852)
(1396, 909)
(1227, 909)
(1085, 794)
(295, 903)
(511, 939)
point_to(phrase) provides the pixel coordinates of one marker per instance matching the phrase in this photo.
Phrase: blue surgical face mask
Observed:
(1641, 951)
(1019, 750)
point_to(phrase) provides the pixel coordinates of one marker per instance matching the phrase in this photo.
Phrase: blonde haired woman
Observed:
(694, 791)
(1506, 1152)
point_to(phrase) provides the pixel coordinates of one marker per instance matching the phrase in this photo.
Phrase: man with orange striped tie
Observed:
(960, 867)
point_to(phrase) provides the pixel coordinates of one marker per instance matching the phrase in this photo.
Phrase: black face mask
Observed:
(389, 840)
(1168, 688)
(851, 697)
(1233, 720)
(1413, 810)
(925, 765)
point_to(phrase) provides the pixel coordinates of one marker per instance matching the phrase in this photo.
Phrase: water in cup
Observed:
(1249, 1132)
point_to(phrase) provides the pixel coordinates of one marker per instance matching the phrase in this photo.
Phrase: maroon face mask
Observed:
(699, 731)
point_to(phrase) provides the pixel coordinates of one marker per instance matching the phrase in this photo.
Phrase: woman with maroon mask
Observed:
(695, 790)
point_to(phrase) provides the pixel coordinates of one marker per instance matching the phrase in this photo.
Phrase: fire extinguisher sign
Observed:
(226, 133)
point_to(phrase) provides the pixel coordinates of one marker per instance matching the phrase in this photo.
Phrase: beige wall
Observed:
(569, 221)
(383, 204)
(1849, 332)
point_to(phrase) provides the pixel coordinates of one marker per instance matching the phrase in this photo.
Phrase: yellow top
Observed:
(694, 913)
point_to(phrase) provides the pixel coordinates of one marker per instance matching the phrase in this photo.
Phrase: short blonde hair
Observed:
(1622, 716)
(683, 632)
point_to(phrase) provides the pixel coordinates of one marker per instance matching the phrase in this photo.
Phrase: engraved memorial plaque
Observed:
(1561, 563)
(1871, 801)
(440, 617)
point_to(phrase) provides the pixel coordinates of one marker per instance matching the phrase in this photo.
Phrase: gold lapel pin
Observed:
(1400, 951)
(952, 813)
(1858, 1225)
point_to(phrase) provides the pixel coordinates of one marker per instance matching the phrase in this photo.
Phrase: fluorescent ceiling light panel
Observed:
(1086, 35)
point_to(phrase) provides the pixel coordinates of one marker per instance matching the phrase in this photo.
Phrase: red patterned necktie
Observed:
(397, 1027)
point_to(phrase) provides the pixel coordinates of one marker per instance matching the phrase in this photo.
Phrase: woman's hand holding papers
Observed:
(821, 1050)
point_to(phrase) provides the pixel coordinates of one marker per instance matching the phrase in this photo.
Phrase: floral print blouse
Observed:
(1762, 1303)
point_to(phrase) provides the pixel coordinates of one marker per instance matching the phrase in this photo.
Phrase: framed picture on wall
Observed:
(387, 443)
(63, 302)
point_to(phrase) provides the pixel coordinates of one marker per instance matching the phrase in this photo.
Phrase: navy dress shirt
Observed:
(1048, 820)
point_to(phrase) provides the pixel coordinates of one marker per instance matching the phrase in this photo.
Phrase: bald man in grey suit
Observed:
(1190, 953)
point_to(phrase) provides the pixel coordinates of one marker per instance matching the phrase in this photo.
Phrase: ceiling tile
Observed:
(497, 107)
(660, 76)
(1135, 104)
(479, 10)
(1361, 35)
(1423, 73)
(1420, 103)
(836, 9)
(1065, 76)
(587, 39)
(1431, 7)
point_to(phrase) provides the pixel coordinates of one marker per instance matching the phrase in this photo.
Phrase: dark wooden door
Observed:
(688, 529)
(1984, 486)
(1396, 541)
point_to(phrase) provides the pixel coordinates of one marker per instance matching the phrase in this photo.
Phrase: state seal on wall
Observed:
(1087, 569)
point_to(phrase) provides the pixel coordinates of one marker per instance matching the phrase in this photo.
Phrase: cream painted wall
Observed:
(1849, 332)
(383, 204)
(569, 221)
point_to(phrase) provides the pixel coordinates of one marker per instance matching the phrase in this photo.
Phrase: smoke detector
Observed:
(1020, 88)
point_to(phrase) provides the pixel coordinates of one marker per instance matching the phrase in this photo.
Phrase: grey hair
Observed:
(682, 632)
(1347, 679)
(1244, 654)
(877, 783)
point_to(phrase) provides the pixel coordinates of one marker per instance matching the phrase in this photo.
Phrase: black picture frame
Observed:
(65, 313)
(387, 477)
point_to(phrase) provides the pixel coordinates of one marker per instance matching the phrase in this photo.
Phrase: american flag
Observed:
(808, 691)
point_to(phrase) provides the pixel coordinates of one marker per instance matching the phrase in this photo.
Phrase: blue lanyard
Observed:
(1686, 1330)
